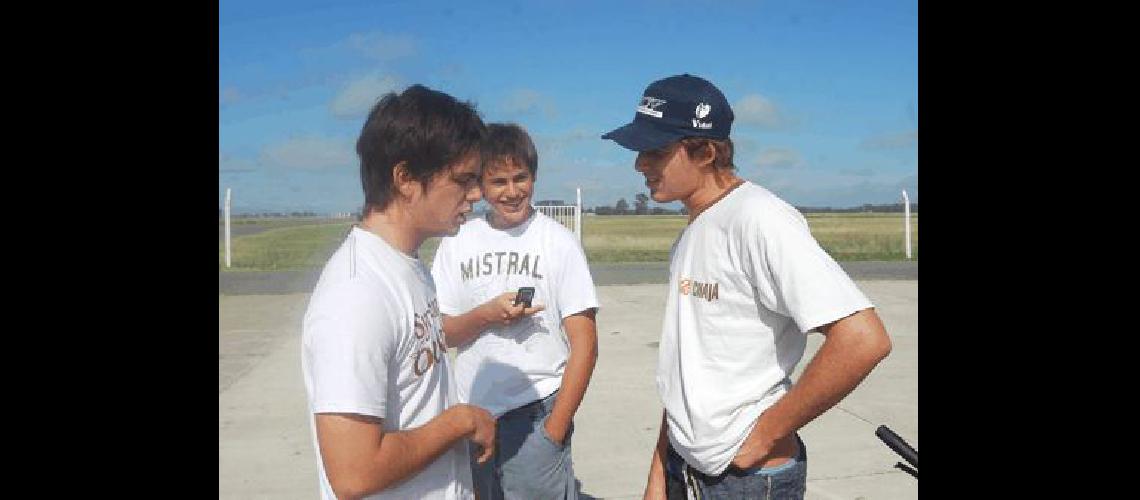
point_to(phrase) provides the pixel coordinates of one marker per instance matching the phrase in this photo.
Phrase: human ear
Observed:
(708, 154)
(402, 180)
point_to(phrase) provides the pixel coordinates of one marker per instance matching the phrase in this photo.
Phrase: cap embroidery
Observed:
(649, 106)
(703, 110)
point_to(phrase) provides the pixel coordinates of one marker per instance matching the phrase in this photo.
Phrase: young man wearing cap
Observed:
(385, 418)
(747, 283)
(528, 366)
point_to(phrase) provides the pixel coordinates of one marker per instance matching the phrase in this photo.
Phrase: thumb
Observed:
(486, 455)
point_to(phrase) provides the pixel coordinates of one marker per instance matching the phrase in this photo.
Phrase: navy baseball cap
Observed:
(674, 108)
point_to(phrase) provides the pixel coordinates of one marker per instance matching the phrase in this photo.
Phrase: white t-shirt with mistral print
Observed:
(747, 281)
(372, 344)
(506, 367)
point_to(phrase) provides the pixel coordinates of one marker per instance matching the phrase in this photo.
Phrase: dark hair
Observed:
(508, 141)
(695, 147)
(427, 129)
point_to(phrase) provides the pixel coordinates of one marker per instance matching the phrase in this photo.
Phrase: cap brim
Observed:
(640, 136)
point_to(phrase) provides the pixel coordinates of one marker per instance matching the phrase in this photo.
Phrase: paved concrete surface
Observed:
(264, 446)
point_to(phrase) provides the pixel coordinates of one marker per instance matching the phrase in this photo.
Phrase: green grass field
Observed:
(847, 237)
(280, 248)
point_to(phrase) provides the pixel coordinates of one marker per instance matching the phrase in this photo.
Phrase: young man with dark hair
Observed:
(386, 422)
(529, 365)
(747, 283)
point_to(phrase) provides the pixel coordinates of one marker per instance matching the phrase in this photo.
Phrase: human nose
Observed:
(640, 165)
(474, 193)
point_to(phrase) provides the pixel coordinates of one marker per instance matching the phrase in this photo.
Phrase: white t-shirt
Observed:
(372, 345)
(746, 283)
(506, 367)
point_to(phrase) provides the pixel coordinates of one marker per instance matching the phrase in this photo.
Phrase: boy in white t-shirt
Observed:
(386, 422)
(747, 283)
(528, 366)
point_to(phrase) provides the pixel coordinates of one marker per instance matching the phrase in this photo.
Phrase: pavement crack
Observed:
(851, 476)
(856, 415)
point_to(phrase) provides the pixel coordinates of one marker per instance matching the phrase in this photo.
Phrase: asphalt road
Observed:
(282, 282)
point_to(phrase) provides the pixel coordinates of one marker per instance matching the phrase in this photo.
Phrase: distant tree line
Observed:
(278, 215)
(621, 207)
(641, 207)
(866, 207)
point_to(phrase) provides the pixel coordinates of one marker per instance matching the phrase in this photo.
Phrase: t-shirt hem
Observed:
(577, 309)
(724, 458)
(450, 311)
(370, 411)
(815, 321)
(543, 389)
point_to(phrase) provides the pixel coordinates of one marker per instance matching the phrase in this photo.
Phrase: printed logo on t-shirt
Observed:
(694, 288)
(429, 337)
(492, 263)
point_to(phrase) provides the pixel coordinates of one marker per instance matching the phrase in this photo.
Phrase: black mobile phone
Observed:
(525, 295)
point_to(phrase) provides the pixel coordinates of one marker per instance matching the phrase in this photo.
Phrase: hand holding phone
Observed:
(524, 296)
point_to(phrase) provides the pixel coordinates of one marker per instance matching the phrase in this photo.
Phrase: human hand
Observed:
(483, 433)
(556, 430)
(750, 454)
(760, 451)
(754, 451)
(503, 311)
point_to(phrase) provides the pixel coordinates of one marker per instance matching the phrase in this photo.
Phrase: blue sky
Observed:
(825, 93)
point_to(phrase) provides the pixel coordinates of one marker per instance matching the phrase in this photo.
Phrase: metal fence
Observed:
(568, 215)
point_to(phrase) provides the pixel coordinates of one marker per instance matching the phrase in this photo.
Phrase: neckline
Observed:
(693, 216)
(379, 242)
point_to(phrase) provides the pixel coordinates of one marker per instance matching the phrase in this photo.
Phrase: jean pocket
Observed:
(776, 469)
(550, 440)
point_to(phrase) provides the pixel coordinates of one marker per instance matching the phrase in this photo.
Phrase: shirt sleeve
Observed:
(792, 274)
(446, 288)
(575, 290)
(350, 342)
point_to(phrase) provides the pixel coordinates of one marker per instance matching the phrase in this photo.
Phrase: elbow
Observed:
(354, 488)
(348, 491)
(882, 346)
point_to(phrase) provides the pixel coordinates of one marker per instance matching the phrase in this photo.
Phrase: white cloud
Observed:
(557, 146)
(903, 140)
(779, 158)
(523, 101)
(229, 95)
(359, 95)
(382, 47)
(227, 163)
(755, 109)
(863, 172)
(310, 153)
(838, 190)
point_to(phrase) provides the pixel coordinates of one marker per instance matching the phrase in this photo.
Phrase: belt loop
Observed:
(692, 491)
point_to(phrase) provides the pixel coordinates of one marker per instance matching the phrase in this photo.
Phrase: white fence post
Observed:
(906, 221)
(566, 215)
(227, 227)
(578, 216)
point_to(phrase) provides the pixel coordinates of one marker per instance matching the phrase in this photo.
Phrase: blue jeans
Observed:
(785, 481)
(527, 464)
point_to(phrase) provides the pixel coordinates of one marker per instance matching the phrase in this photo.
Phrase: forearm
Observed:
(583, 337)
(461, 329)
(400, 454)
(656, 480)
